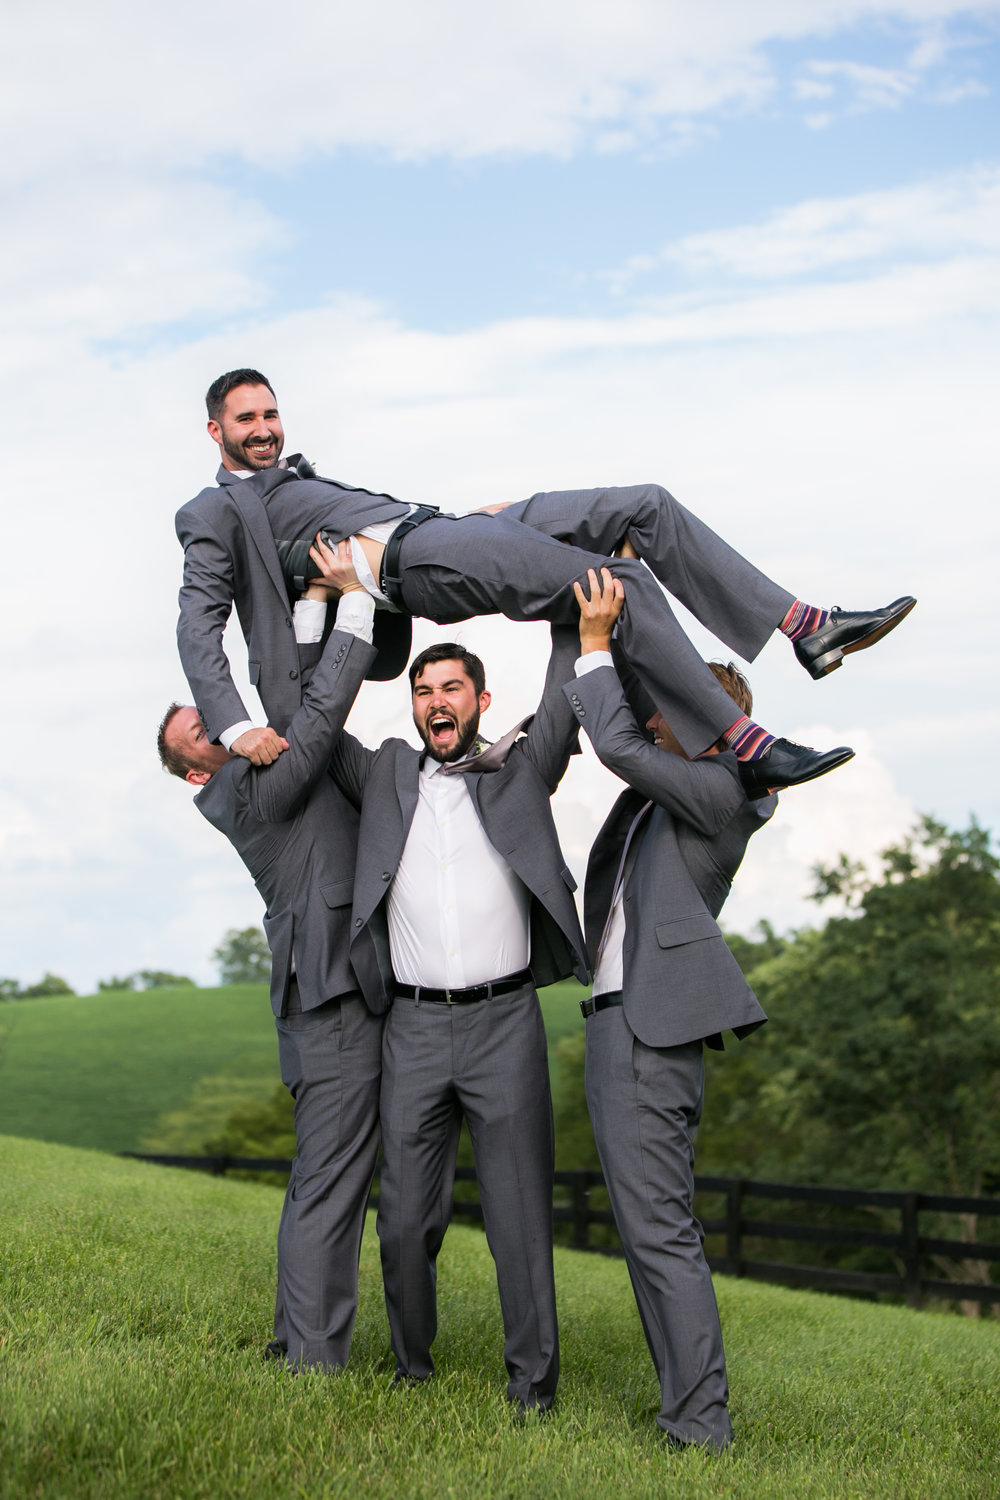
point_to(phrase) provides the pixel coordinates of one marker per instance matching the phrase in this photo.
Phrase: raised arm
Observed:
(332, 684)
(705, 792)
(206, 602)
(553, 733)
(276, 792)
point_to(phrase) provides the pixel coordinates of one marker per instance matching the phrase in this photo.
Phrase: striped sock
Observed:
(749, 740)
(803, 619)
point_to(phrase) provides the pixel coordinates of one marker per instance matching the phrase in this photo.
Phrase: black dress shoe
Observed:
(848, 630)
(787, 764)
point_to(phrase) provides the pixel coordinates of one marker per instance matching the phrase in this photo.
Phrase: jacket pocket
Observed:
(693, 929)
(253, 668)
(338, 893)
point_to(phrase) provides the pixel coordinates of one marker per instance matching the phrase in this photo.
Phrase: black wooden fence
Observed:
(874, 1227)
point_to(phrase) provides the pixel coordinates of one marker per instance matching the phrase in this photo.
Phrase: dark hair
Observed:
(731, 678)
(172, 759)
(450, 651)
(215, 397)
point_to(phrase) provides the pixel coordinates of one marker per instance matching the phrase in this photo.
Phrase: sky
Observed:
(747, 252)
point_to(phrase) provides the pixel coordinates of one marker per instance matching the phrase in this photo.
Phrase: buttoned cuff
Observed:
(592, 661)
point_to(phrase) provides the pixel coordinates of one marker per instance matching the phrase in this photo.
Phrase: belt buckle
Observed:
(447, 998)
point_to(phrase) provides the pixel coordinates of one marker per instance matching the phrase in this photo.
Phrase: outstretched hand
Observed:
(599, 613)
(259, 746)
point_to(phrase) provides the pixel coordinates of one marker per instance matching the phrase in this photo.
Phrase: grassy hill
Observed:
(120, 1070)
(135, 1304)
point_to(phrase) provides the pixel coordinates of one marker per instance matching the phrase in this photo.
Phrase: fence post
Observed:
(581, 1211)
(734, 1227)
(911, 1250)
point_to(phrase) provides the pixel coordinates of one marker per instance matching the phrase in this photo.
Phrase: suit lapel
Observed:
(407, 789)
(247, 495)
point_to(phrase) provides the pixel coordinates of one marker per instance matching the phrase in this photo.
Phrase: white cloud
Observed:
(940, 219)
(870, 87)
(119, 83)
(114, 255)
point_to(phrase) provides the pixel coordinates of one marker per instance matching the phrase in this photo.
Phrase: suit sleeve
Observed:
(554, 732)
(705, 793)
(276, 792)
(206, 602)
(350, 766)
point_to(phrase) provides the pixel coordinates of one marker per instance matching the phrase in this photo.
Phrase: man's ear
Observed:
(197, 778)
(485, 699)
(215, 431)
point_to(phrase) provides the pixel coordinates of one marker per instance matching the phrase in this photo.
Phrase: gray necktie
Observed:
(492, 758)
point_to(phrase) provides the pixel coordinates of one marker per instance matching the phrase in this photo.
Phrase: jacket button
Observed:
(293, 674)
(288, 624)
(386, 875)
(357, 921)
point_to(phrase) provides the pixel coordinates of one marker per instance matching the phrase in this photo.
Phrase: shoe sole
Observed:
(831, 660)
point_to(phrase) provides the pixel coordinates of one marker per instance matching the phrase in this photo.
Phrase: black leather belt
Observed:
(601, 1002)
(389, 581)
(468, 996)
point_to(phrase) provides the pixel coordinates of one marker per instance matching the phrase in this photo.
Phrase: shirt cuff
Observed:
(356, 614)
(228, 735)
(309, 617)
(591, 661)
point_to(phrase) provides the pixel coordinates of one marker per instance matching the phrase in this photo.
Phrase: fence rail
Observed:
(912, 1254)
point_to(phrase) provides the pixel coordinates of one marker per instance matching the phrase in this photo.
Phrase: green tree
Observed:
(117, 982)
(894, 1039)
(161, 979)
(244, 957)
(49, 984)
(883, 1068)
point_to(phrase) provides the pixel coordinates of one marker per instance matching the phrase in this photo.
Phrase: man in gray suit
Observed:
(665, 985)
(246, 540)
(461, 884)
(297, 835)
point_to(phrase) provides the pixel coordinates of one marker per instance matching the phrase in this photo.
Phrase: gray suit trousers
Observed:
(732, 598)
(645, 1105)
(455, 568)
(486, 1061)
(331, 1060)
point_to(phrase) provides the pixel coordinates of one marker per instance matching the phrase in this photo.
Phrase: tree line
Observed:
(242, 956)
(880, 1065)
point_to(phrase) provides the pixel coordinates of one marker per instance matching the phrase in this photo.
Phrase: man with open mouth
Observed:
(462, 887)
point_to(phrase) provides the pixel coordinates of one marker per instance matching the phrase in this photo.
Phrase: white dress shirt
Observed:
(458, 915)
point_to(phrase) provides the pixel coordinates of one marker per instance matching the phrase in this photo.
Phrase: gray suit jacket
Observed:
(513, 807)
(297, 835)
(681, 982)
(228, 533)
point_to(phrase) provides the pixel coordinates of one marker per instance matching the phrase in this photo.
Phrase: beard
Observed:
(244, 457)
(454, 745)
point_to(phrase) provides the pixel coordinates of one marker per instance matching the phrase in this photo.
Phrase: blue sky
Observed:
(749, 252)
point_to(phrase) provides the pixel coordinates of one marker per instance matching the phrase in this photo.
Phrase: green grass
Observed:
(157, 1069)
(135, 1304)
